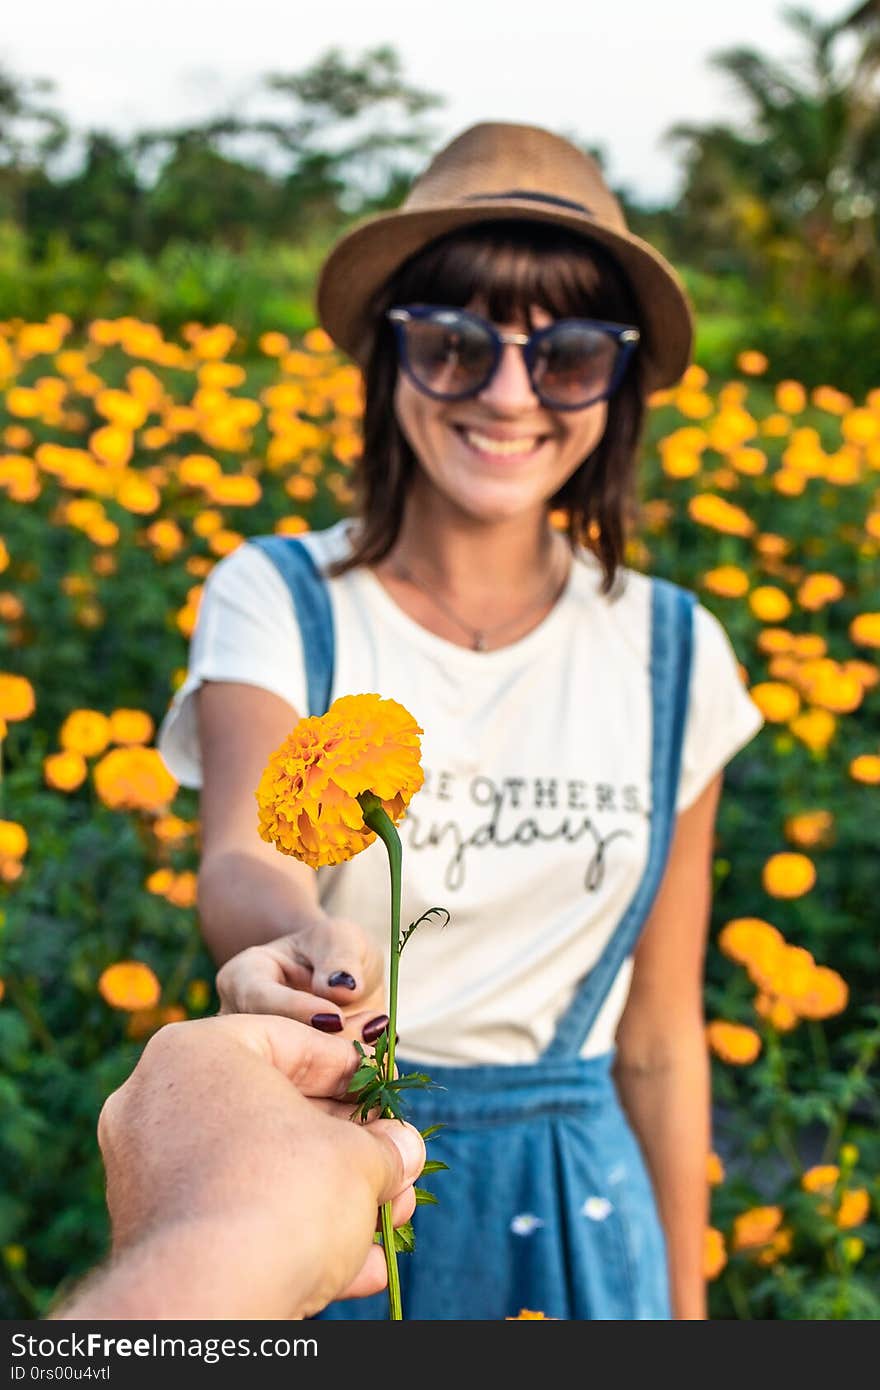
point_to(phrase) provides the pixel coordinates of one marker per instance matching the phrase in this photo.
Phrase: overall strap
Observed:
(671, 652)
(311, 603)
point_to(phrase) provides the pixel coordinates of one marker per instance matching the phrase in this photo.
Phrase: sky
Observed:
(616, 74)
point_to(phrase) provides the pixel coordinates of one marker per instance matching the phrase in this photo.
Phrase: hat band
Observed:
(529, 196)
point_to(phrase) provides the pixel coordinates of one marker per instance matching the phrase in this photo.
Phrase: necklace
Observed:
(480, 636)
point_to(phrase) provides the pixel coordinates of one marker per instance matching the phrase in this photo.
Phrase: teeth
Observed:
(499, 446)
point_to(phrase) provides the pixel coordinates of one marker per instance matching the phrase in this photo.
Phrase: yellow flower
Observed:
(714, 1253)
(129, 726)
(788, 875)
(815, 728)
(751, 941)
(129, 985)
(65, 771)
(791, 397)
(777, 1012)
(755, 1227)
(865, 629)
(819, 589)
(752, 363)
(824, 994)
(821, 1178)
(17, 700)
(128, 779)
(808, 829)
(307, 794)
(721, 515)
(85, 731)
(727, 581)
(777, 702)
(733, 1042)
(13, 840)
(866, 768)
(714, 1170)
(855, 1206)
(769, 604)
(779, 1244)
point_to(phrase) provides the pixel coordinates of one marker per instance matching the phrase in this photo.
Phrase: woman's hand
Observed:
(327, 973)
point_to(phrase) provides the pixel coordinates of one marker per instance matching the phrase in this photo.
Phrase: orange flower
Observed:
(855, 1207)
(307, 796)
(130, 985)
(748, 939)
(17, 700)
(755, 1227)
(714, 1170)
(788, 875)
(733, 1042)
(752, 363)
(728, 581)
(791, 397)
(85, 731)
(714, 1253)
(866, 768)
(708, 510)
(526, 1315)
(809, 828)
(13, 840)
(143, 1022)
(777, 1012)
(865, 629)
(769, 604)
(821, 1178)
(134, 779)
(824, 994)
(819, 589)
(777, 702)
(182, 892)
(815, 728)
(779, 1244)
(65, 771)
(129, 726)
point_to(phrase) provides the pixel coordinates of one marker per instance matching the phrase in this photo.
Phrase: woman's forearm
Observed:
(668, 1105)
(245, 900)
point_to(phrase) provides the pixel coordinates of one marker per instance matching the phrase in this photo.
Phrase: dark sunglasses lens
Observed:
(574, 364)
(448, 355)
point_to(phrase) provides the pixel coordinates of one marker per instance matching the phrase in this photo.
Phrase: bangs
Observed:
(506, 269)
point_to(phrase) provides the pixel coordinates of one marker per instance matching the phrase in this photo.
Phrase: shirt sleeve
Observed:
(245, 631)
(722, 717)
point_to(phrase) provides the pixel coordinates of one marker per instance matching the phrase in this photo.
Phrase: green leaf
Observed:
(424, 1197)
(405, 1238)
(434, 1165)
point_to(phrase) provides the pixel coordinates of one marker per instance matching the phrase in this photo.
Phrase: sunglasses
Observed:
(452, 354)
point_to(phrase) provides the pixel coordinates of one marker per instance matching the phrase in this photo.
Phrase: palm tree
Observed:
(794, 194)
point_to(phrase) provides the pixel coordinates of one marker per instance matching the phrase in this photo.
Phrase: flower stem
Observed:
(377, 818)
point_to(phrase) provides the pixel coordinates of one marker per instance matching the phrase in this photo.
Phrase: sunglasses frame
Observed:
(625, 336)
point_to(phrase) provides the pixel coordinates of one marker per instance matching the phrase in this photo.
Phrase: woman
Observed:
(577, 719)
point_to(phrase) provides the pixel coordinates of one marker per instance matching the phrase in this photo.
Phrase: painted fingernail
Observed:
(371, 1030)
(326, 1023)
(342, 980)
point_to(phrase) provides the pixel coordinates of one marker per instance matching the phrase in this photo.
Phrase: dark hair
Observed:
(508, 267)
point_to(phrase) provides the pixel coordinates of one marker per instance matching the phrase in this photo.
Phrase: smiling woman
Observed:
(577, 716)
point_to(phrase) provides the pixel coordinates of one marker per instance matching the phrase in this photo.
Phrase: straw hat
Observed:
(497, 170)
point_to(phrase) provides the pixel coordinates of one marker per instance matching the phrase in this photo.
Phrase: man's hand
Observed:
(238, 1184)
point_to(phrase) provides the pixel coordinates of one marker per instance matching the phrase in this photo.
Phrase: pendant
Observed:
(479, 642)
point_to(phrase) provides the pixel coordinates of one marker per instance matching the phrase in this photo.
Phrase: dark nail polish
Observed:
(375, 1026)
(342, 980)
(327, 1023)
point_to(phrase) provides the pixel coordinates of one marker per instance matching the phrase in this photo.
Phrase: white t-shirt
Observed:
(531, 829)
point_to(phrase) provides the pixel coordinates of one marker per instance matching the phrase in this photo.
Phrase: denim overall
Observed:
(547, 1204)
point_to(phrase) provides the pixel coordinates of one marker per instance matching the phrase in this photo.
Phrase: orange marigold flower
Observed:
(780, 1244)
(791, 397)
(755, 1227)
(824, 994)
(778, 702)
(714, 1253)
(85, 731)
(819, 589)
(752, 363)
(182, 891)
(808, 829)
(822, 1177)
(134, 779)
(777, 1012)
(750, 940)
(733, 1042)
(714, 1169)
(788, 875)
(307, 794)
(828, 686)
(159, 881)
(708, 510)
(130, 985)
(525, 1315)
(728, 581)
(13, 840)
(769, 603)
(129, 726)
(171, 830)
(815, 728)
(855, 1207)
(65, 771)
(17, 699)
(865, 629)
(866, 768)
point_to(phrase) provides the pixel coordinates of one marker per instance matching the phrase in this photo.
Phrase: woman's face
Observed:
(501, 454)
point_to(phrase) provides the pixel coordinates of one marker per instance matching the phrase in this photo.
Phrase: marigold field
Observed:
(129, 463)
